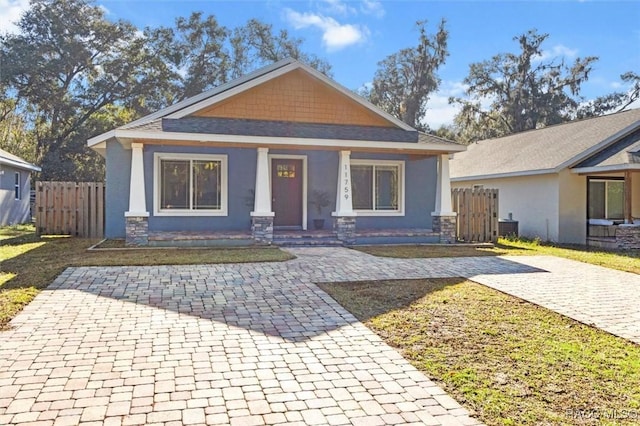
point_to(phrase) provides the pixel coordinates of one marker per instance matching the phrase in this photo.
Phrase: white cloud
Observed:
(372, 7)
(557, 51)
(337, 7)
(335, 36)
(10, 13)
(439, 111)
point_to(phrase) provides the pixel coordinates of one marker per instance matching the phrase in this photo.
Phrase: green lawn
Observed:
(506, 360)
(617, 259)
(29, 263)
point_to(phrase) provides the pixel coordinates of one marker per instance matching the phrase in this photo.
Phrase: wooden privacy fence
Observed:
(477, 211)
(70, 208)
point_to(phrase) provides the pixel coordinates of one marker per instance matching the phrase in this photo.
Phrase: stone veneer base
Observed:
(345, 228)
(136, 231)
(446, 227)
(628, 237)
(262, 229)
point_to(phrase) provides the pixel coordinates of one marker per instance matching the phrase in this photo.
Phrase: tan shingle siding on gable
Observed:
(295, 97)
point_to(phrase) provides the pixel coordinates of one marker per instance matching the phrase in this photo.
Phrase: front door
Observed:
(286, 191)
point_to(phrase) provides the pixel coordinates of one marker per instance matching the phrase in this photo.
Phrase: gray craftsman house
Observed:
(280, 150)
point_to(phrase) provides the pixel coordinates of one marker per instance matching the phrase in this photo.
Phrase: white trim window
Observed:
(190, 185)
(377, 187)
(17, 187)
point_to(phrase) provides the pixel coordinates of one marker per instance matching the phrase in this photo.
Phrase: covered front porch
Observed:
(396, 195)
(613, 209)
(285, 238)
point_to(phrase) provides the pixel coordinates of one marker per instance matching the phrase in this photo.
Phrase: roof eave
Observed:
(606, 169)
(288, 141)
(20, 165)
(504, 175)
(599, 146)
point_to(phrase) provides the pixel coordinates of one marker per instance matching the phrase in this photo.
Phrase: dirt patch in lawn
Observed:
(506, 360)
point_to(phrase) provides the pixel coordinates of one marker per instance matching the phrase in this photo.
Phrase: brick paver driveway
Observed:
(218, 344)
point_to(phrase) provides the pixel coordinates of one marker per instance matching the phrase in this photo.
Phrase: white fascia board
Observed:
(91, 142)
(284, 141)
(504, 175)
(20, 165)
(599, 146)
(605, 169)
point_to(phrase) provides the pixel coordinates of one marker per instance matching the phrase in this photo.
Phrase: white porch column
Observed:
(443, 189)
(345, 217)
(344, 199)
(262, 196)
(444, 218)
(262, 216)
(137, 217)
(137, 199)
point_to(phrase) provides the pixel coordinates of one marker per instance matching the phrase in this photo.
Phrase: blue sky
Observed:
(353, 35)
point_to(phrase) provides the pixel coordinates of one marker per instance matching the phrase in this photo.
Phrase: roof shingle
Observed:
(541, 149)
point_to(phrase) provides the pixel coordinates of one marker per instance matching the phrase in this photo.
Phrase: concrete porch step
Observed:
(318, 242)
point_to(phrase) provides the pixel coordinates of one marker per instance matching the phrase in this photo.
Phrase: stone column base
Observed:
(345, 227)
(446, 227)
(136, 231)
(628, 237)
(262, 229)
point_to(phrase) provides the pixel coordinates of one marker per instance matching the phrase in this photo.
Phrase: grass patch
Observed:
(13, 231)
(29, 263)
(510, 362)
(624, 260)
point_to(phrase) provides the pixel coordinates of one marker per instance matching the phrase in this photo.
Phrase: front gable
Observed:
(296, 97)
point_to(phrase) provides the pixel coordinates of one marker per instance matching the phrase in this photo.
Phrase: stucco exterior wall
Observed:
(322, 174)
(296, 97)
(14, 211)
(572, 208)
(533, 201)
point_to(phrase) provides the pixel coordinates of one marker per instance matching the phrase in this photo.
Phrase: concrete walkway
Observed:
(252, 343)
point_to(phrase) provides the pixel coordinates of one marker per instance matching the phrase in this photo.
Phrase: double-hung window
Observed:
(17, 188)
(190, 184)
(378, 187)
(606, 198)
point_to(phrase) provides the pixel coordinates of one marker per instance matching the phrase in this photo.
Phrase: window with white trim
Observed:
(190, 184)
(17, 188)
(377, 187)
(606, 199)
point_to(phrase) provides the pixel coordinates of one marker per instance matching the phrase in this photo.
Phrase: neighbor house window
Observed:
(606, 199)
(190, 184)
(17, 189)
(377, 187)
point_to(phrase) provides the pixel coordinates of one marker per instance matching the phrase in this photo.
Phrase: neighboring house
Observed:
(15, 189)
(577, 182)
(248, 156)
